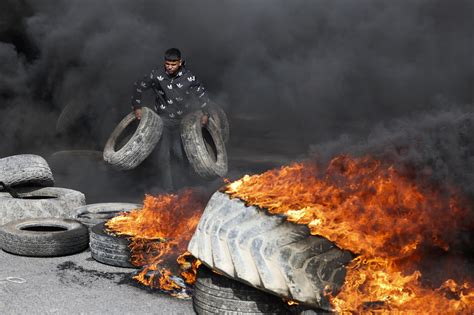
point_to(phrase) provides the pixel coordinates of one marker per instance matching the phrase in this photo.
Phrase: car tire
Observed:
(25, 169)
(216, 294)
(36, 202)
(204, 146)
(218, 113)
(109, 249)
(45, 237)
(70, 115)
(93, 214)
(62, 162)
(128, 154)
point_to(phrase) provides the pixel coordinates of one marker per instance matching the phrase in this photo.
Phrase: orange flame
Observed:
(160, 233)
(371, 209)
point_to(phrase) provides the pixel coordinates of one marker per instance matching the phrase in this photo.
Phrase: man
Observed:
(177, 92)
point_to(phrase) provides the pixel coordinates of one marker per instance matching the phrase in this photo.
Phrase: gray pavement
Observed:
(77, 284)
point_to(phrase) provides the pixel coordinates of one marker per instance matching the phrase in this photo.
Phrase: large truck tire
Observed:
(216, 294)
(25, 169)
(126, 149)
(109, 249)
(204, 146)
(247, 244)
(45, 237)
(93, 214)
(36, 202)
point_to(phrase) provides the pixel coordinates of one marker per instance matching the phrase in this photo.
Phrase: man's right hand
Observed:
(138, 113)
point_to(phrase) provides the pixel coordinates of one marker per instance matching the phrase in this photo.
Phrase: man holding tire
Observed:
(177, 93)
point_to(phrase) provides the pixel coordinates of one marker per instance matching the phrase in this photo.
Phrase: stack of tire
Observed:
(40, 220)
(36, 218)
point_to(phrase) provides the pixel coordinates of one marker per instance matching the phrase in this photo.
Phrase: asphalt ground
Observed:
(77, 284)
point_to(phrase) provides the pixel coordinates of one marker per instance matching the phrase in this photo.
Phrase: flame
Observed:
(385, 216)
(291, 302)
(159, 234)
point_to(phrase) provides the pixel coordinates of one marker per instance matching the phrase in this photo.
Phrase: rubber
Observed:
(216, 294)
(219, 114)
(60, 202)
(25, 169)
(70, 114)
(195, 147)
(140, 144)
(268, 252)
(77, 154)
(15, 240)
(93, 214)
(109, 249)
(62, 162)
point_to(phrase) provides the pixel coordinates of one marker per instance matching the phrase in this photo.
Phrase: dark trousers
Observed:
(170, 158)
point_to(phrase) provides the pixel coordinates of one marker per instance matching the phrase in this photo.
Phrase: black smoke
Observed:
(289, 74)
(436, 144)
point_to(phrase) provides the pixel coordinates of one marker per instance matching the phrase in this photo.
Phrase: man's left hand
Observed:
(204, 120)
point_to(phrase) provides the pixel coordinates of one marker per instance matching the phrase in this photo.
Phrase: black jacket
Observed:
(175, 95)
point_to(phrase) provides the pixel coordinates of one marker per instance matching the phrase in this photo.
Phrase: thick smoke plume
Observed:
(289, 74)
(436, 144)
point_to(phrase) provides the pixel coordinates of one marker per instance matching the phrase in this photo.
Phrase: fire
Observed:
(159, 234)
(386, 217)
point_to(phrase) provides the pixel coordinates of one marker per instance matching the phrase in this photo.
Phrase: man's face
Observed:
(172, 66)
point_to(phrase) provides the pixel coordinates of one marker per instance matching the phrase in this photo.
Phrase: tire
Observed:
(45, 237)
(40, 203)
(207, 162)
(266, 251)
(93, 214)
(25, 169)
(63, 162)
(70, 115)
(139, 145)
(109, 249)
(77, 154)
(219, 114)
(215, 294)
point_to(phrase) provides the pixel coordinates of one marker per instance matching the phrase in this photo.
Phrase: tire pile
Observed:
(39, 220)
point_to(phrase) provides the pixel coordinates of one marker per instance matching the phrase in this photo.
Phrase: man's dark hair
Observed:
(173, 54)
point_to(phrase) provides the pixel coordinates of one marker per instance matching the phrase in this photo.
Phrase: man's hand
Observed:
(204, 120)
(138, 113)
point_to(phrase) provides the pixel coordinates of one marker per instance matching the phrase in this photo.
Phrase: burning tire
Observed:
(218, 113)
(109, 249)
(93, 214)
(215, 294)
(44, 237)
(204, 146)
(268, 252)
(132, 141)
(39, 203)
(25, 169)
